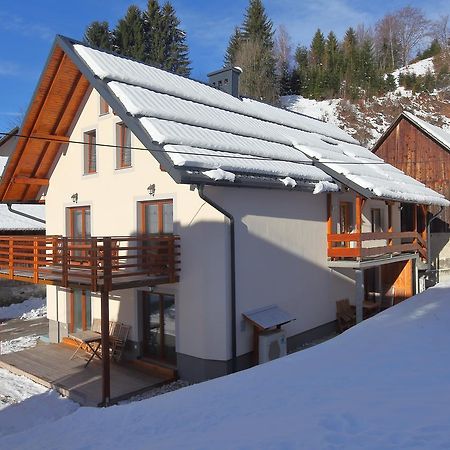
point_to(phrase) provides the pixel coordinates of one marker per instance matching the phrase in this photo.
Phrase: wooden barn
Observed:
(422, 151)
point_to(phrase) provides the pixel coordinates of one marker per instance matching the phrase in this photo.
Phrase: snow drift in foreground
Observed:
(33, 308)
(383, 384)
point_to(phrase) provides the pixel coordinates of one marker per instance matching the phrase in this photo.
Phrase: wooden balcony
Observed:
(97, 263)
(362, 246)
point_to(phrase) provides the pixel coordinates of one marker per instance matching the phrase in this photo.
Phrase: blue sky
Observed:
(27, 30)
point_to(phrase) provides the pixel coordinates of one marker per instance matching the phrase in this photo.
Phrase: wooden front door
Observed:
(159, 326)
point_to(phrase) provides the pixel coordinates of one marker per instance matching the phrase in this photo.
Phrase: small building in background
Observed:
(422, 151)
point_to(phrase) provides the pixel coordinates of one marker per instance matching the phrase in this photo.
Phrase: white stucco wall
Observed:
(113, 195)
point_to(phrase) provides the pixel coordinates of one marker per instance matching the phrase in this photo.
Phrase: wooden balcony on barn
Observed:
(360, 247)
(95, 263)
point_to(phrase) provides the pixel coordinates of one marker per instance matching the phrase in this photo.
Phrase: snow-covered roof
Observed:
(203, 129)
(437, 133)
(18, 222)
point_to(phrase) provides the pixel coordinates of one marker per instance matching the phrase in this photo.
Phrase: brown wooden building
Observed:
(422, 151)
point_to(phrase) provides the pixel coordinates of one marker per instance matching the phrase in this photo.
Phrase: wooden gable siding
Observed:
(411, 150)
(56, 101)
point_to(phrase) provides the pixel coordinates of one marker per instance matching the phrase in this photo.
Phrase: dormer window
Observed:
(104, 107)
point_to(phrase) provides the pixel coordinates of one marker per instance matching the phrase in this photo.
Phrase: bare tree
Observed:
(412, 28)
(387, 43)
(283, 50)
(256, 80)
(440, 30)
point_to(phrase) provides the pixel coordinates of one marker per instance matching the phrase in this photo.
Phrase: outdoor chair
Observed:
(345, 315)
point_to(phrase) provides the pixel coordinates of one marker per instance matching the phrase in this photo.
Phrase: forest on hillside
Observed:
(357, 66)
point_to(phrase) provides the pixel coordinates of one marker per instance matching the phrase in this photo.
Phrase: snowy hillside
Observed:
(367, 120)
(383, 384)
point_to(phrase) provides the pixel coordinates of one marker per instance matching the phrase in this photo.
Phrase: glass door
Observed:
(159, 326)
(80, 310)
(80, 230)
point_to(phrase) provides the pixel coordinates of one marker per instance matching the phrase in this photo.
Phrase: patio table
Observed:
(90, 338)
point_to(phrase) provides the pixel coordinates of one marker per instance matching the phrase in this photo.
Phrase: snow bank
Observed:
(32, 308)
(383, 384)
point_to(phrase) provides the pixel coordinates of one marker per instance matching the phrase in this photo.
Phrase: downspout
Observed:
(230, 217)
(429, 238)
(20, 213)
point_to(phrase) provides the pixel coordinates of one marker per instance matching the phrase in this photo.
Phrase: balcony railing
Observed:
(97, 263)
(371, 245)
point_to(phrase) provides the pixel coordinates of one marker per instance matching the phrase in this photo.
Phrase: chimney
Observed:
(226, 80)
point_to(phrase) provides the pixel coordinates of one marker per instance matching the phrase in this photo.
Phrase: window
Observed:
(80, 310)
(90, 152)
(345, 217)
(156, 217)
(123, 144)
(377, 226)
(104, 107)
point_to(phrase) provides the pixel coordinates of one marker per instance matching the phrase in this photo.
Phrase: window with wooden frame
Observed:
(156, 217)
(90, 152)
(104, 107)
(377, 226)
(345, 217)
(80, 310)
(123, 144)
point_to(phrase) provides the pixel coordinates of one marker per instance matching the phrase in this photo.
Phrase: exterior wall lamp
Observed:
(151, 189)
(74, 197)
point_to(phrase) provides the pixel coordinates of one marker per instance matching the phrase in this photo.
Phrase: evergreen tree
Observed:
(366, 74)
(316, 64)
(257, 25)
(301, 71)
(176, 51)
(350, 56)
(153, 39)
(332, 65)
(233, 46)
(129, 34)
(98, 35)
(252, 48)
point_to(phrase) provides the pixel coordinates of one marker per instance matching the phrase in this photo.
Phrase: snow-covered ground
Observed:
(32, 308)
(384, 384)
(420, 68)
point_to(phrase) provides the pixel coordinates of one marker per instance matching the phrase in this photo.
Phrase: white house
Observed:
(270, 207)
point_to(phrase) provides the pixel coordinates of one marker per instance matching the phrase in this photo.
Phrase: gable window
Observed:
(377, 226)
(123, 144)
(90, 152)
(104, 107)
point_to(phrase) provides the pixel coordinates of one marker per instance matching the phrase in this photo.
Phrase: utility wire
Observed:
(180, 152)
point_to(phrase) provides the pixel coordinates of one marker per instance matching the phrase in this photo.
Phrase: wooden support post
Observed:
(359, 294)
(106, 376)
(94, 264)
(11, 259)
(390, 225)
(64, 262)
(415, 224)
(358, 212)
(35, 261)
(329, 218)
(107, 268)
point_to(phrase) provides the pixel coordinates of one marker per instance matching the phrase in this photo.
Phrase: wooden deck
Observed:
(50, 365)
